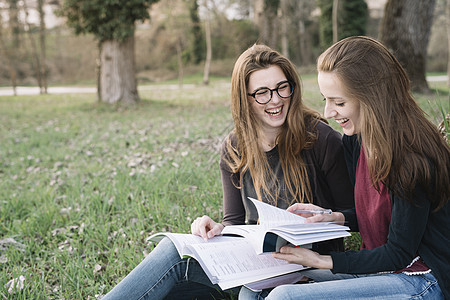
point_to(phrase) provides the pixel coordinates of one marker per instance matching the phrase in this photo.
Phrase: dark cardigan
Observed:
(413, 229)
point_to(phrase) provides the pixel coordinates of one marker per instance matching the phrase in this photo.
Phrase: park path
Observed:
(25, 90)
(34, 90)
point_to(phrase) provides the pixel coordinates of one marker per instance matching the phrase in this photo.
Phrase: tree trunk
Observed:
(448, 41)
(302, 41)
(284, 28)
(405, 30)
(13, 55)
(34, 50)
(258, 15)
(301, 13)
(9, 61)
(14, 22)
(118, 75)
(196, 32)
(335, 20)
(208, 46)
(98, 70)
(43, 58)
(179, 62)
(267, 21)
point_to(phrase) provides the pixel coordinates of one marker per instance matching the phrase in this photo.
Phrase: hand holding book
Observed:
(305, 257)
(206, 227)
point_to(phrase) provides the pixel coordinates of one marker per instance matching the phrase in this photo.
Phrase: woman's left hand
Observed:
(305, 257)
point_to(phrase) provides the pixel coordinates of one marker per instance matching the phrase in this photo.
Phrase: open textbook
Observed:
(242, 255)
(278, 227)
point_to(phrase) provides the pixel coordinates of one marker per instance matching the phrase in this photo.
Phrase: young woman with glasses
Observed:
(280, 152)
(399, 165)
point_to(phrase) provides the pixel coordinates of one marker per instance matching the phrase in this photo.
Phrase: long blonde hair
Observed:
(297, 132)
(403, 147)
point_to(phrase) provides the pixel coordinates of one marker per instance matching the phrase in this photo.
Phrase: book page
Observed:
(253, 233)
(272, 282)
(236, 263)
(270, 215)
(309, 238)
(181, 240)
(310, 227)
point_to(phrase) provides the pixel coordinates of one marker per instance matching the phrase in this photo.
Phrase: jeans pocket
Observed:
(426, 286)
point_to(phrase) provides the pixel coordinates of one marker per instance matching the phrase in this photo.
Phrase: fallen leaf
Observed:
(3, 259)
(11, 242)
(15, 284)
(98, 268)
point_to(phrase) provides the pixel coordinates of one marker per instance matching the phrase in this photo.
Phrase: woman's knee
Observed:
(246, 294)
(280, 292)
(165, 248)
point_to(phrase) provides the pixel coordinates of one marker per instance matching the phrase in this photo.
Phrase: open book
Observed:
(278, 227)
(231, 261)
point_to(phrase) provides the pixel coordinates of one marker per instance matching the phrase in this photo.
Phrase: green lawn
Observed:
(82, 184)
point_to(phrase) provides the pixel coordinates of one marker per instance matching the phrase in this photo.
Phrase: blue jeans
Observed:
(164, 275)
(347, 286)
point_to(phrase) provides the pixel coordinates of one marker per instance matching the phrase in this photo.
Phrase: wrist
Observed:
(325, 262)
(338, 217)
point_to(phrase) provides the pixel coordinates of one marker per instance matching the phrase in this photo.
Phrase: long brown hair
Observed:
(403, 147)
(297, 132)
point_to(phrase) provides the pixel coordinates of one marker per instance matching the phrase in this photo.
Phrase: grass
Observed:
(82, 184)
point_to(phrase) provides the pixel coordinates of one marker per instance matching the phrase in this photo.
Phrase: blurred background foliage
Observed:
(171, 43)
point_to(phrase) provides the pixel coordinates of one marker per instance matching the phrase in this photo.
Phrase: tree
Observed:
(405, 30)
(341, 19)
(354, 18)
(38, 50)
(42, 42)
(112, 22)
(301, 32)
(265, 18)
(197, 36)
(326, 23)
(208, 45)
(178, 28)
(12, 56)
(334, 20)
(36, 57)
(447, 11)
(284, 18)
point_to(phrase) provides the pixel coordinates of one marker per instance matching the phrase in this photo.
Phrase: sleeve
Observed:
(334, 168)
(233, 208)
(406, 230)
(352, 149)
(350, 219)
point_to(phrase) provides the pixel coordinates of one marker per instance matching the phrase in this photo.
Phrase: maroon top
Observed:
(374, 216)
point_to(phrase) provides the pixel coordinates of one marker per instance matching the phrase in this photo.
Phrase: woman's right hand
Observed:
(335, 217)
(206, 227)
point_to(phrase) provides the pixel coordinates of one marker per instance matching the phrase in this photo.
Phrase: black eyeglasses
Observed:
(285, 89)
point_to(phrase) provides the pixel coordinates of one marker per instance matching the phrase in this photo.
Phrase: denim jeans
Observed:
(164, 275)
(347, 286)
